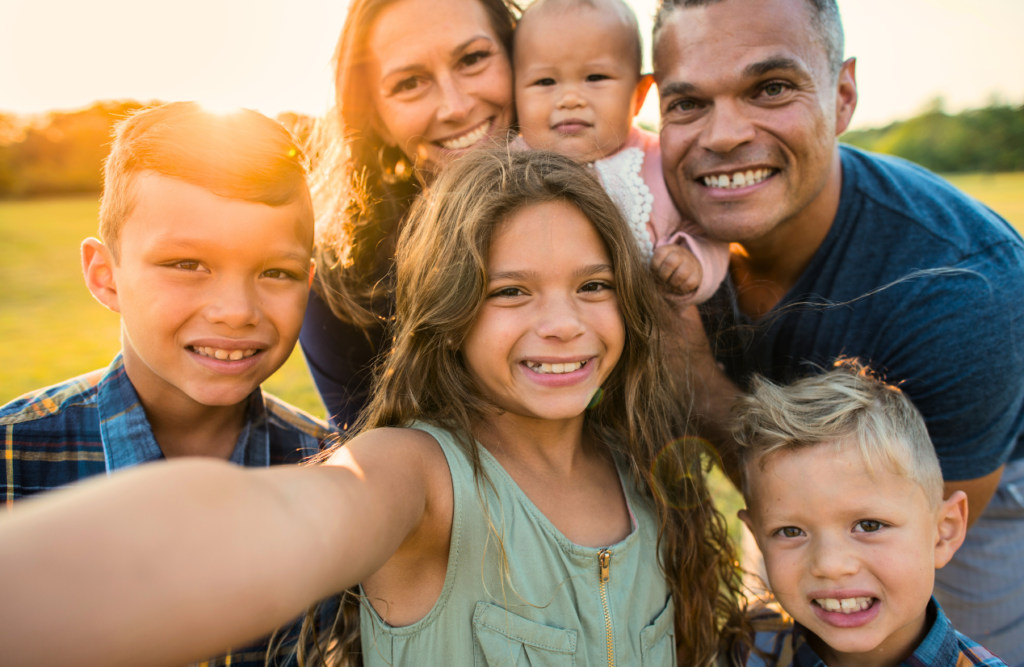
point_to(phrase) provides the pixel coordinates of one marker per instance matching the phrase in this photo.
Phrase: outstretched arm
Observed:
(171, 562)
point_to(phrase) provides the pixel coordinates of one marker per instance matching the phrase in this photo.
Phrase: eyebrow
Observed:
(416, 66)
(581, 272)
(751, 71)
(770, 65)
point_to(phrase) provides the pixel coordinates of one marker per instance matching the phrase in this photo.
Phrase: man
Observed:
(841, 253)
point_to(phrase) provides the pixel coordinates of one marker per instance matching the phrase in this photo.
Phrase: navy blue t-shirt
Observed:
(953, 340)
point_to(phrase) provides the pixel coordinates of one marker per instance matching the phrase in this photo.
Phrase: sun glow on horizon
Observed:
(275, 57)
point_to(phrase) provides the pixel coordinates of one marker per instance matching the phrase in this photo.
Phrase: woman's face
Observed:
(440, 79)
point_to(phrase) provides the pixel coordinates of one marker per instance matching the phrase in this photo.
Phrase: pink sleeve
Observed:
(713, 257)
(667, 226)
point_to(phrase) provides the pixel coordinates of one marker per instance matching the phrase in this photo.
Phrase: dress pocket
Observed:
(506, 640)
(658, 640)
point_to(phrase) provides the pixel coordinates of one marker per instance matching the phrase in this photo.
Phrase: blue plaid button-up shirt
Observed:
(784, 642)
(94, 424)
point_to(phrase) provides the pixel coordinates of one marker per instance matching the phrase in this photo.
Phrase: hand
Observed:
(676, 266)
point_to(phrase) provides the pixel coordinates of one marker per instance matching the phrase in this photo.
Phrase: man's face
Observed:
(750, 114)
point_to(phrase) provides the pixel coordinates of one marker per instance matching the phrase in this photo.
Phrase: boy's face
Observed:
(850, 556)
(577, 82)
(211, 290)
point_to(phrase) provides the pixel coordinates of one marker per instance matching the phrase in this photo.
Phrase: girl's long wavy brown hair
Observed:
(358, 211)
(441, 284)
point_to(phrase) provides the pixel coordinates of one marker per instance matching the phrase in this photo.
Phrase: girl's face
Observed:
(549, 331)
(440, 78)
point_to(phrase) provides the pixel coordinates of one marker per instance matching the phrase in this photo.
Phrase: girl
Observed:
(519, 491)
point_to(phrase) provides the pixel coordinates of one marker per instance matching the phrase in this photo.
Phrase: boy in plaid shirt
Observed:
(844, 498)
(207, 234)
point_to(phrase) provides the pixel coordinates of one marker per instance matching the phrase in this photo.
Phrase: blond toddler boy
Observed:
(579, 87)
(844, 497)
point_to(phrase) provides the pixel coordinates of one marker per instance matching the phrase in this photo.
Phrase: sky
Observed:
(274, 56)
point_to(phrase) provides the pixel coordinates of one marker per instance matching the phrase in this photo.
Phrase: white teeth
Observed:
(555, 368)
(845, 605)
(467, 140)
(740, 179)
(224, 355)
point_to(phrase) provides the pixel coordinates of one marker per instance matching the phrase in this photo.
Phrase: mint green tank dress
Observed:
(558, 605)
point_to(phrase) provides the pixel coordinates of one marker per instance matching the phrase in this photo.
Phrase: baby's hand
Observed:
(677, 268)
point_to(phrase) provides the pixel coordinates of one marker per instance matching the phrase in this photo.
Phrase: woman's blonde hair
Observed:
(441, 284)
(359, 208)
(847, 406)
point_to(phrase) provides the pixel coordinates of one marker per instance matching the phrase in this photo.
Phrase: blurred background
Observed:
(941, 83)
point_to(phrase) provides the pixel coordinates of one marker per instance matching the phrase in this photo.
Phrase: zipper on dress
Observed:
(604, 559)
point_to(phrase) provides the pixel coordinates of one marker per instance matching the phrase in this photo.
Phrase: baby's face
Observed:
(576, 82)
(850, 556)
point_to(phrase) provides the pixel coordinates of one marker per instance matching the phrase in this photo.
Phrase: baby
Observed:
(578, 88)
(844, 497)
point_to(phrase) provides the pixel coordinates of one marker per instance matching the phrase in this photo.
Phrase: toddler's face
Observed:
(577, 82)
(850, 556)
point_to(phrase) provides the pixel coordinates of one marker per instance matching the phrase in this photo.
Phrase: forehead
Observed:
(411, 32)
(168, 210)
(826, 478)
(575, 32)
(546, 237)
(716, 43)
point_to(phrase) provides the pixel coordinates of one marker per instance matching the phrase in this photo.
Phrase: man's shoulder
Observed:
(924, 203)
(54, 402)
(290, 420)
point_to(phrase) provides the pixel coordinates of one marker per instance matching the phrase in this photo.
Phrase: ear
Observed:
(846, 95)
(640, 93)
(748, 521)
(98, 269)
(952, 527)
(312, 272)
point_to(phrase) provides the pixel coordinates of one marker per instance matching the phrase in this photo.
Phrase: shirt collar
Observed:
(938, 649)
(128, 438)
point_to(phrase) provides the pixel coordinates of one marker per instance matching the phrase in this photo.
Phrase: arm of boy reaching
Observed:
(152, 566)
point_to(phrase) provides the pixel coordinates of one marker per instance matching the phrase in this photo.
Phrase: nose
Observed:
(728, 129)
(559, 319)
(831, 558)
(456, 103)
(234, 302)
(571, 99)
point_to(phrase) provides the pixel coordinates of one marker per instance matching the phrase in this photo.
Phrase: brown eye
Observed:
(774, 89)
(869, 525)
(790, 531)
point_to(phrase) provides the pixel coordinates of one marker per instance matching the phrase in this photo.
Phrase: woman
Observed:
(419, 82)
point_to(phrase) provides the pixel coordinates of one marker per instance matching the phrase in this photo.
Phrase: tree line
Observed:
(62, 152)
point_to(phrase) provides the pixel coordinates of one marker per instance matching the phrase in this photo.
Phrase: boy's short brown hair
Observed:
(242, 155)
(847, 406)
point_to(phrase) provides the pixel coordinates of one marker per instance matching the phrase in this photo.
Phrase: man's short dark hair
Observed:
(824, 17)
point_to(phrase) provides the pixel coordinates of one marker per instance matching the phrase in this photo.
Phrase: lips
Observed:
(571, 126)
